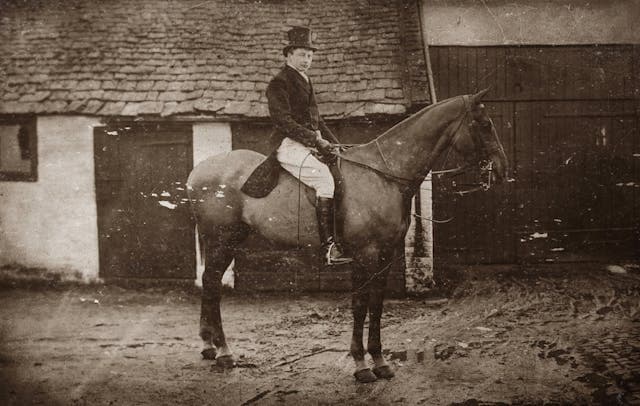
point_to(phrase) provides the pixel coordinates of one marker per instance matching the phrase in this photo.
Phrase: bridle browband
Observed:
(414, 182)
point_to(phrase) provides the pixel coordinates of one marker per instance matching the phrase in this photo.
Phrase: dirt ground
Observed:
(540, 335)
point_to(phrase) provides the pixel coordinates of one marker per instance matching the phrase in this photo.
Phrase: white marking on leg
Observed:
(225, 350)
(380, 361)
(206, 344)
(360, 365)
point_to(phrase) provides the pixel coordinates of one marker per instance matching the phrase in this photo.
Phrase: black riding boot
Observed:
(331, 252)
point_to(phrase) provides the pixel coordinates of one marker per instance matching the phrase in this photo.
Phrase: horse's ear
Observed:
(478, 96)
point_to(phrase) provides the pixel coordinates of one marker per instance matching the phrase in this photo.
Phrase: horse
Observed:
(379, 180)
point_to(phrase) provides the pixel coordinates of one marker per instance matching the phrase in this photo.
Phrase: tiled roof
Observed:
(170, 57)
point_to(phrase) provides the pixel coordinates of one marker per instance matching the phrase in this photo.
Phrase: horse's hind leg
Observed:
(219, 245)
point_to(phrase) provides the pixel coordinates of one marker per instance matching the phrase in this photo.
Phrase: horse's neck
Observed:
(409, 149)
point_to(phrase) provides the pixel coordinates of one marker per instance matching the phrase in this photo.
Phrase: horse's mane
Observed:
(409, 121)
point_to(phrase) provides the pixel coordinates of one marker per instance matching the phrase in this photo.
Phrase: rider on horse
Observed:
(306, 141)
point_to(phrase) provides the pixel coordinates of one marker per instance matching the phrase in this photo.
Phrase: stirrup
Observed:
(338, 260)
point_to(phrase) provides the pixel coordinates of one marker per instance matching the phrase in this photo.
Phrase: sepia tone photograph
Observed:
(320, 202)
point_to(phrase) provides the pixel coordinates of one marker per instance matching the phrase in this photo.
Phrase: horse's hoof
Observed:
(365, 376)
(384, 372)
(209, 353)
(225, 361)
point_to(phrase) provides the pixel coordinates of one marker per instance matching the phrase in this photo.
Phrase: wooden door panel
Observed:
(575, 72)
(576, 180)
(144, 221)
(575, 132)
(164, 232)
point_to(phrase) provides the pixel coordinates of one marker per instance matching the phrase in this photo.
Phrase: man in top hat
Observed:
(305, 139)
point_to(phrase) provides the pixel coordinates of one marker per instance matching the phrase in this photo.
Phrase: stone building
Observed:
(106, 106)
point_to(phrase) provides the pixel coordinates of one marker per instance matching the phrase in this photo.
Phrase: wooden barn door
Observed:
(578, 180)
(568, 116)
(144, 224)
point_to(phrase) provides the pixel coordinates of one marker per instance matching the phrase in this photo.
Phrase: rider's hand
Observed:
(324, 146)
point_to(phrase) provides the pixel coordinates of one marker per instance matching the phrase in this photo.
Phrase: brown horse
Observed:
(380, 178)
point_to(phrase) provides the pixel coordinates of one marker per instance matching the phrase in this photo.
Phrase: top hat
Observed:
(299, 37)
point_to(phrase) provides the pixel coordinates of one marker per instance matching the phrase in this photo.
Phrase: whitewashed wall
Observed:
(531, 22)
(52, 223)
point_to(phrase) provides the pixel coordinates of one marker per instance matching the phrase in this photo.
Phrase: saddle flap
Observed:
(263, 179)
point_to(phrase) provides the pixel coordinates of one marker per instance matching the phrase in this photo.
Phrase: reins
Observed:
(395, 178)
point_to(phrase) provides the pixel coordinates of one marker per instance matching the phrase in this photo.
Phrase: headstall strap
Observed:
(467, 102)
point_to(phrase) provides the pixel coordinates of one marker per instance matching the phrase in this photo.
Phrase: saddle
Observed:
(265, 176)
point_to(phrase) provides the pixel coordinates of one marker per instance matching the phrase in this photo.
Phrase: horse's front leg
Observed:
(378, 285)
(359, 304)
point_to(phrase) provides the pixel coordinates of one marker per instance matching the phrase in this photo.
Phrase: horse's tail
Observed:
(194, 216)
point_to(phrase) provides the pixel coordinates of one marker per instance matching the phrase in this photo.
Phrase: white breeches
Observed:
(297, 159)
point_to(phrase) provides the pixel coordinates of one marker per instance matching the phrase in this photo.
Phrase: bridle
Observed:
(484, 164)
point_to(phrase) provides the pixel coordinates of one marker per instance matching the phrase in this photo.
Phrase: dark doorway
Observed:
(144, 223)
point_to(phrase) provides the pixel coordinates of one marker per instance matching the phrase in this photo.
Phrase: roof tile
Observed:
(54, 106)
(237, 107)
(202, 84)
(376, 94)
(150, 107)
(35, 97)
(208, 105)
(144, 85)
(187, 86)
(160, 85)
(186, 106)
(112, 109)
(168, 109)
(394, 93)
(172, 96)
(92, 107)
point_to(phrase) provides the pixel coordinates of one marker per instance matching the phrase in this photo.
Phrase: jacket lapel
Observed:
(297, 78)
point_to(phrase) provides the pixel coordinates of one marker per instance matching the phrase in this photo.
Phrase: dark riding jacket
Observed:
(294, 112)
(293, 109)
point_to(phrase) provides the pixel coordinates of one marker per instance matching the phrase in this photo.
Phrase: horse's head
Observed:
(476, 139)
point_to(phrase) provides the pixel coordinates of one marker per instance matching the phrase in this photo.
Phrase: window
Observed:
(18, 149)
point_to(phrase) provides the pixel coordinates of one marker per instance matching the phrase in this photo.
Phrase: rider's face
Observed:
(300, 58)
